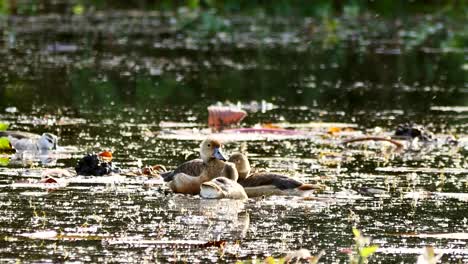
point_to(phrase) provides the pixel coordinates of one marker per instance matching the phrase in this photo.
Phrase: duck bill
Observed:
(218, 155)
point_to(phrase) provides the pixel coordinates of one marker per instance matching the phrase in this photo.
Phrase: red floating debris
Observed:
(220, 117)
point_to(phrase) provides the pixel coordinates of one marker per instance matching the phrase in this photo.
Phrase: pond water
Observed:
(107, 81)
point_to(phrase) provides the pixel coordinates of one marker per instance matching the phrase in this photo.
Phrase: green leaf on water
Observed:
(78, 9)
(4, 161)
(367, 251)
(5, 144)
(3, 126)
(356, 232)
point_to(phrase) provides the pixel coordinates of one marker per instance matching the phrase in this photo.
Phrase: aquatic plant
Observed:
(5, 144)
(428, 256)
(362, 249)
(3, 126)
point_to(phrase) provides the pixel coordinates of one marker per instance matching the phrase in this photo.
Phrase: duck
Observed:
(188, 177)
(266, 183)
(225, 186)
(22, 141)
(210, 151)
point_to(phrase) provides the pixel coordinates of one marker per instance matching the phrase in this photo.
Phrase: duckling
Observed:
(225, 186)
(209, 152)
(265, 183)
(28, 141)
(188, 177)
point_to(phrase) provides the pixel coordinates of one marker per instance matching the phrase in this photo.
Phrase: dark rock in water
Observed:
(91, 165)
(413, 131)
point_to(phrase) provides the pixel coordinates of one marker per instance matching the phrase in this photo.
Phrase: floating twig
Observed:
(394, 142)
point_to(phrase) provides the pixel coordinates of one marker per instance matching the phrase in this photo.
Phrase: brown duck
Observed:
(225, 187)
(266, 183)
(188, 177)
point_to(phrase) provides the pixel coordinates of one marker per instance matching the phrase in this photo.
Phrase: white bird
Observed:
(28, 141)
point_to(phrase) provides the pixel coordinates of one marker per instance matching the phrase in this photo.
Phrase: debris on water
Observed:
(164, 243)
(93, 165)
(254, 106)
(49, 184)
(222, 117)
(412, 131)
(373, 191)
(361, 139)
(62, 48)
(56, 172)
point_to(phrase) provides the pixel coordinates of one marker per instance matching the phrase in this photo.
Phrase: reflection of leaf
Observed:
(367, 251)
(4, 161)
(3, 126)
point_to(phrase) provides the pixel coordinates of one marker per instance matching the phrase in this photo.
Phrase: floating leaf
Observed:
(356, 232)
(4, 161)
(3, 126)
(78, 9)
(270, 260)
(5, 144)
(367, 251)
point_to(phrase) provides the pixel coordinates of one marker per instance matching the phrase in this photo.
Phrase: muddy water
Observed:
(107, 82)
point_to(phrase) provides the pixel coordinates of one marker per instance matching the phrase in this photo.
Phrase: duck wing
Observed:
(192, 168)
(281, 182)
(19, 134)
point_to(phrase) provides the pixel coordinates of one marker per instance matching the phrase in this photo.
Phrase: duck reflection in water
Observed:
(208, 219)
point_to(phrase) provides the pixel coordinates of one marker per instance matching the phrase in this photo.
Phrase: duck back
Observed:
(191, 168)
(277, 180)
(190, 184)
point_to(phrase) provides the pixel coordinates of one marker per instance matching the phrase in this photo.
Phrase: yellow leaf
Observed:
(5, 144)
(333, 130)
(4, 161)
(3, 126)
(367, 251)
(356, 232)
(78, 9)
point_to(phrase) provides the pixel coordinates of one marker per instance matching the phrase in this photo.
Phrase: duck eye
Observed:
(209, 145)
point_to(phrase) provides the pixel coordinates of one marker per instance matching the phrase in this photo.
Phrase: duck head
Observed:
(47, 142)
(242, 164)
(229, 171)
(222, 187)
(211, 149)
